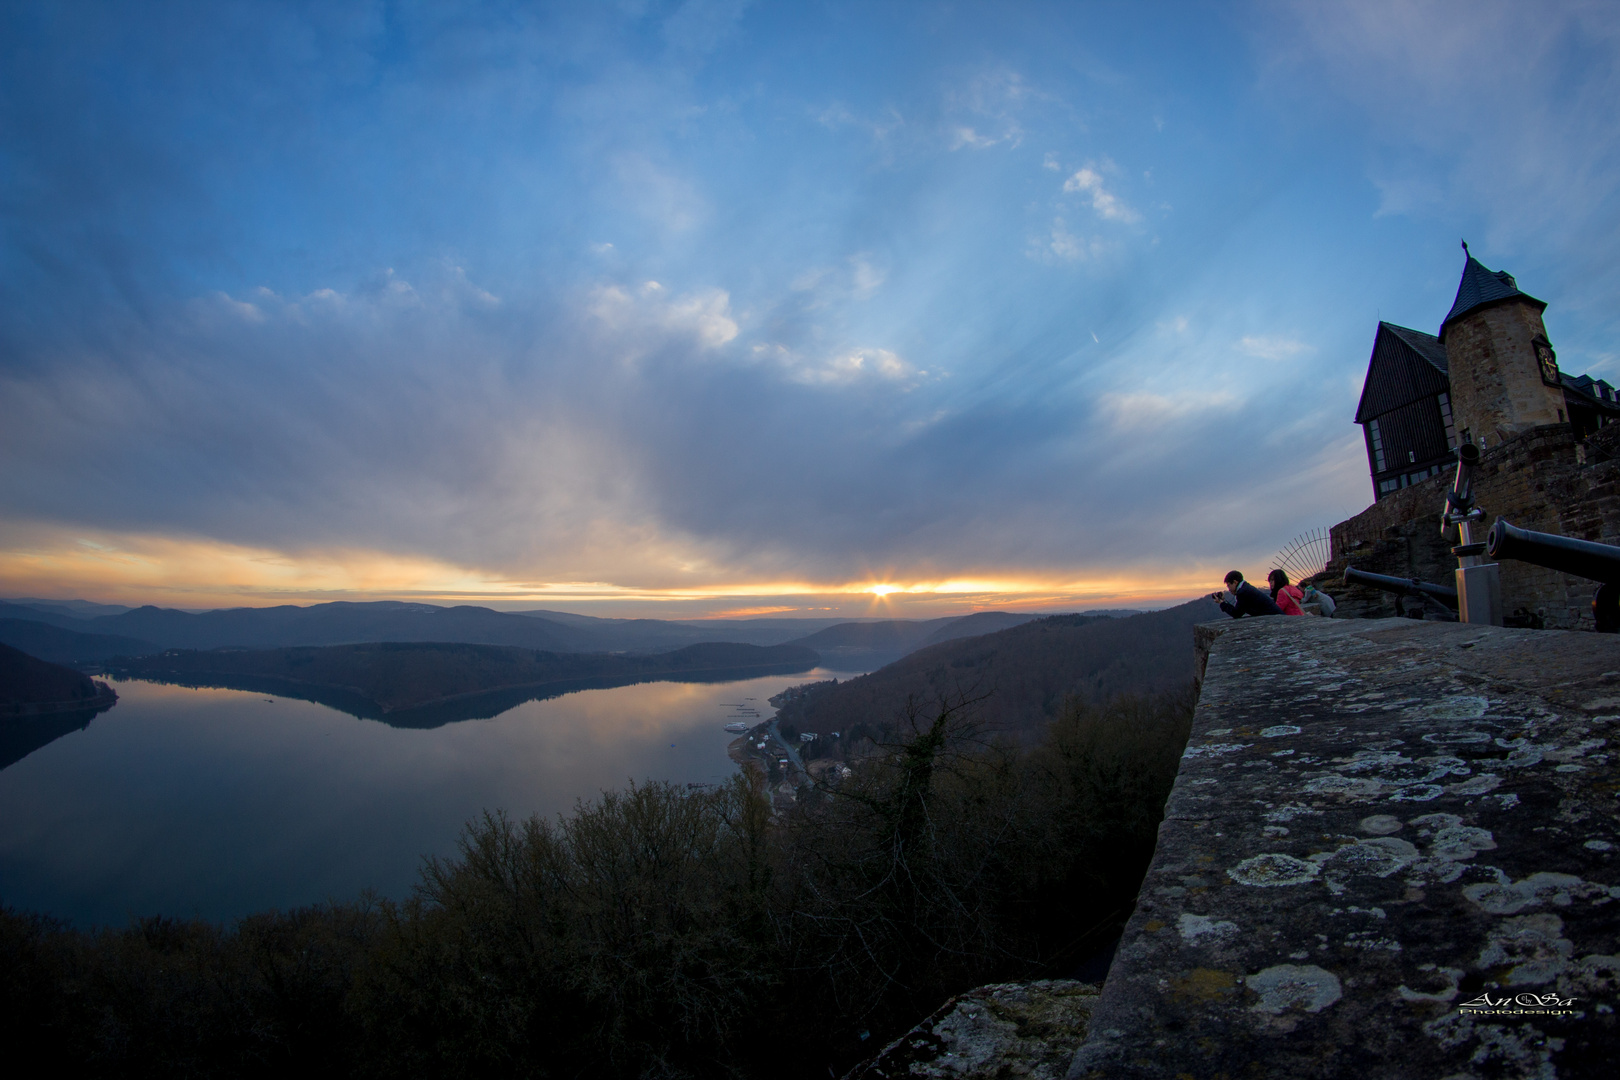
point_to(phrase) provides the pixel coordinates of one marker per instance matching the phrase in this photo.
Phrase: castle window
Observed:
(1377, 445)
(1445, 417)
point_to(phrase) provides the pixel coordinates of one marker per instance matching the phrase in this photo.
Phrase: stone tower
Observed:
(1504, 375)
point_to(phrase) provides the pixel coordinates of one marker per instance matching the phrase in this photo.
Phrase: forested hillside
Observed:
(670, 931)
(63, 646)
(1023, 674)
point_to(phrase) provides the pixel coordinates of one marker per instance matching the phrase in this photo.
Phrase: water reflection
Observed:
(482, 705)
(22, 735)
(211, 802)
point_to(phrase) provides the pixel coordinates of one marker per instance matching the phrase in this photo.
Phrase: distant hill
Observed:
(12, 610)
(1027, 671)
(345, 623)
(858, 646)
(425, 684)
(981, 622)
(657, 635)
(79, 609)
(50, 642)
(336, 624)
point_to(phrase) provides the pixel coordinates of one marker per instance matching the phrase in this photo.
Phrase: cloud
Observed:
(879, 126)
(1537, 151)
(865, 277)
(1147, 411)
(966, 136)
(702, 26)
(1065, 245)
(648, 315)
(1108, 206)
(993, 101)
(660, 194)
(1272, 347)
(203, 345)
(861, 365)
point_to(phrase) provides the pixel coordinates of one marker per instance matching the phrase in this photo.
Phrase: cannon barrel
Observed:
(1401, 586)
(1583, 558)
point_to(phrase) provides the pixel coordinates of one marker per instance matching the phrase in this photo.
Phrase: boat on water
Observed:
(737, 726)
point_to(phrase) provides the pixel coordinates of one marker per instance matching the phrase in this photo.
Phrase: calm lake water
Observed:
(218, 803)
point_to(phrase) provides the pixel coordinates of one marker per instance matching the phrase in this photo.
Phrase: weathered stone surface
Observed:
(996, 1032)
(1375, 823)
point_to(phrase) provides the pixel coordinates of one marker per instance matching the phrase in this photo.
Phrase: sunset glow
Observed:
(137, 570)
(747, 309)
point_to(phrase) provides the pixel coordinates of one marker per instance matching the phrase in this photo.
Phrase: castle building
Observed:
(1489, 376)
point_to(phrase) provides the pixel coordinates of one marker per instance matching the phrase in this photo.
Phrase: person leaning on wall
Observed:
(1287, 597)
(1245, 598)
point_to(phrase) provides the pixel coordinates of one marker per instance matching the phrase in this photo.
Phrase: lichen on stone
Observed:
(1537, 889)
(1286, 986)
(1273, 869)
(1193, 927)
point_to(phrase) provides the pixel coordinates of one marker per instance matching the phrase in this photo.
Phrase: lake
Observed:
(217, 803)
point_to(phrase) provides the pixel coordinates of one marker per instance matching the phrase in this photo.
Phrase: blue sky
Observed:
(715, 307)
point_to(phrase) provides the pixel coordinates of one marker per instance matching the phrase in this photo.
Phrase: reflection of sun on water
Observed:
(639, 711)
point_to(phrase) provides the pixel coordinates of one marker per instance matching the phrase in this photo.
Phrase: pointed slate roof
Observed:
(1480, 288)
(1406, 366)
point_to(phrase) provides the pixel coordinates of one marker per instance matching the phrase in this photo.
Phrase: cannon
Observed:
(1437, 594)
(1583, 558)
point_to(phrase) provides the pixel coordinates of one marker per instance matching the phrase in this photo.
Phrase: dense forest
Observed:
(660, 931)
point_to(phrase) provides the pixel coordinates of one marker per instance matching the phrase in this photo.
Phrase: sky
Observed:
(720, 308)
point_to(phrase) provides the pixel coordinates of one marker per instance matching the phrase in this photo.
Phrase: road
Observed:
(792, 751)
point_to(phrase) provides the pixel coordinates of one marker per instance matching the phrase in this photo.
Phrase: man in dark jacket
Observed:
(1250, 600)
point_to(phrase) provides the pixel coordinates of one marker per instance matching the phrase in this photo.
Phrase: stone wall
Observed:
(1543, 480)
(1392, 851)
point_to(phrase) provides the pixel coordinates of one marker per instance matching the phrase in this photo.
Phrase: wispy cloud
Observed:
(648, 315)
(845, 368)
(1089, 181)
(1065, 245)
(1272, 347)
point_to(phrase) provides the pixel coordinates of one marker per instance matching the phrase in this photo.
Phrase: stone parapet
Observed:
(1392, 850)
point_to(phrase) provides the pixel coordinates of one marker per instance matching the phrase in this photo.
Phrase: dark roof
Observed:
(1480, 287)
(1406, 366)
(1587, 388)
(1425, 345)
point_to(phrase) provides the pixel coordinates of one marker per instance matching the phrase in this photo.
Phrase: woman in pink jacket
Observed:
(1288, 597)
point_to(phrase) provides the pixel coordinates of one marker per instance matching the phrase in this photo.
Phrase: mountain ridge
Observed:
(354, 622)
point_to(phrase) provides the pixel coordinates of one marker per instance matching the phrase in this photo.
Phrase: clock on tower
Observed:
(1548, 361)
